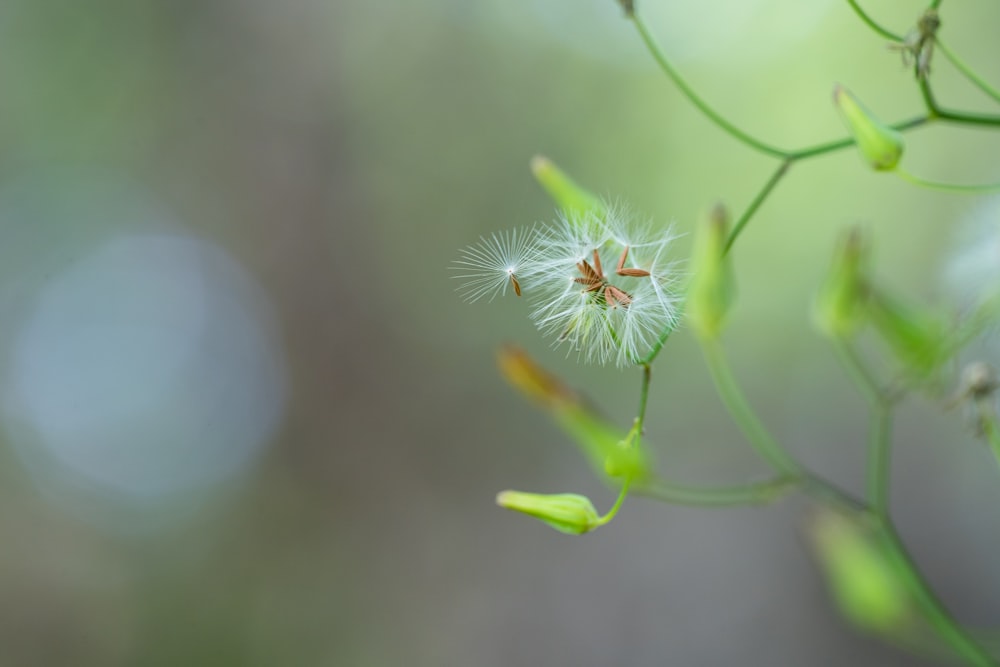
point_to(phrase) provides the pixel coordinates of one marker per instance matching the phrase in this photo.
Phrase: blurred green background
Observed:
(247, 421)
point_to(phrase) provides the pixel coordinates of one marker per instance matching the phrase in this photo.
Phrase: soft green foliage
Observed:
(874, 581)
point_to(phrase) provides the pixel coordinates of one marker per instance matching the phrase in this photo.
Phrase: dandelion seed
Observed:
(604, 317)
(493, 264)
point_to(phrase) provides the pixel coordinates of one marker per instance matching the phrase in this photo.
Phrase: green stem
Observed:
(802, 154)
(871, 23)
(880, 430)
(878, 490)
(647, 375)
(929, 103)
(939, 617)
(755, 204)
(758, 493)
(963, 117)
(743, 415)
(767, 447)
(671, 71)
(960, 188)
(967, 71)
(662, 340)
(879, 458)
(618, 504)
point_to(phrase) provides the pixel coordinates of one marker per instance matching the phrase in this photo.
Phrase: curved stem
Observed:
(755, 204)
(928, 96)
(757, 493)
(878, 490)
(669, 69)
(618, 504)
(662, 340)
(947, 187)
(941, 619)
(967, 71)
(743, 415)
(871, 23)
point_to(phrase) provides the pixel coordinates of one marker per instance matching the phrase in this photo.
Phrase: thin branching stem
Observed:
(695, 99)
(758, 493)
(879, 458)
(778, 174)
(935, 111)
(873, 24)
(969, 73)
(743, 415)
(960, 188)
(880, 428)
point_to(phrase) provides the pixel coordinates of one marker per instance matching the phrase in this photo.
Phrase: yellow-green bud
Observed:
(866, 586)
(841, 305)
(607, 448)
(571, 198)
(566, 512)
(880, 145)
(711, 290)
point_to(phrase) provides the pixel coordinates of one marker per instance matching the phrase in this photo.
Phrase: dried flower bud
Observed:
(979, 380)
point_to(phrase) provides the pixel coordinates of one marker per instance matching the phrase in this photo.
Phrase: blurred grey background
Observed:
(247, 421)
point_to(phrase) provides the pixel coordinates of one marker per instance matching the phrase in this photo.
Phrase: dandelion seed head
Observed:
(602, 285)
(604, 312)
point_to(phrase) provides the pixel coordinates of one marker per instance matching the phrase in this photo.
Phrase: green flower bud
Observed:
(880, 145)
(711, 290)
(867, 587)
(608, 449)
(841, 306)
(918, 338)
(566, 512)
(575, 201)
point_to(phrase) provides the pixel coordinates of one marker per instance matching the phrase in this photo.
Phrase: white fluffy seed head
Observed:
(570, 270)
(580, 313)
